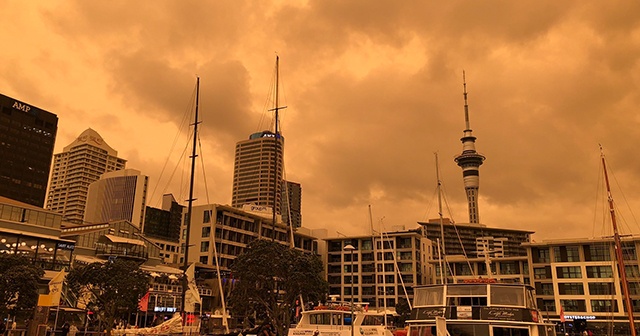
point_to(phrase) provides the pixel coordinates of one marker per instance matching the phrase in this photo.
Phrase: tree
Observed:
(403, 309)
(18, 283)
(271, 277)
(116, 286)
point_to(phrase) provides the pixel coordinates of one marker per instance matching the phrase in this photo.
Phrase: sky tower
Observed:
(470, 162)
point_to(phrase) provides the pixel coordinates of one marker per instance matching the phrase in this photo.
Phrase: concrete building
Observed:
(27, 137)
(117, 195)
(378, 267)
(470, 249)
(258, 169)
(292, 204)
(580, 276)
(80, 163)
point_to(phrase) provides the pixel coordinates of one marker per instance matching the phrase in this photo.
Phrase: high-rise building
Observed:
(80, 163)
(470, 162)
(292, 204)
(258, 161)
(27, 137)
(117, 195)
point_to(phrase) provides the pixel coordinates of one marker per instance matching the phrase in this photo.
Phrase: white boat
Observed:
(334, 319)
(478, 308)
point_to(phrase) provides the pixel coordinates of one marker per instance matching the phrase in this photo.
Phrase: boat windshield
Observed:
(507, 296)
(428, 296)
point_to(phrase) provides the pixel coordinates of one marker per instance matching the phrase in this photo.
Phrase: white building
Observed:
(580, 276)
(80, 163)
(117, 195)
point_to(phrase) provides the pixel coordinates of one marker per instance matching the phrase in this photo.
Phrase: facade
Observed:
(292, 204)
(80, 163)
(27, 137)
(471, 249)
(258, 169)
(162, 226)
(34, 232)
(226, 231)
(117, 195)
(580, 277)
(370, 269)
(231, 230)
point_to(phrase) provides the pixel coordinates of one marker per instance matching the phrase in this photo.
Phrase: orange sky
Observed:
(373, 89)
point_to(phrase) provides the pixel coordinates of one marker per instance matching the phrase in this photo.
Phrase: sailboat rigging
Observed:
(191, 199)
(618, 248)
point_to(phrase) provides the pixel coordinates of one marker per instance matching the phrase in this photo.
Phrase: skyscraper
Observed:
(117, 195)
(80, 163)
(27, 137)
(258, 161)
(470, 162)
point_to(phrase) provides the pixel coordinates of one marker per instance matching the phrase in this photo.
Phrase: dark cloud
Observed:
(373, 89)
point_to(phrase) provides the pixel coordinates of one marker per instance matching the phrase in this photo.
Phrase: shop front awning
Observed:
(120, 240)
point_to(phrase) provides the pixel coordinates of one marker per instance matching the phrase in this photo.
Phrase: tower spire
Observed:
(470, 161)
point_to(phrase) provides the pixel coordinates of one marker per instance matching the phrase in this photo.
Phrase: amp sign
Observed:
(22, 107)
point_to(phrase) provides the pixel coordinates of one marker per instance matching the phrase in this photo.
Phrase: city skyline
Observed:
(372, 91)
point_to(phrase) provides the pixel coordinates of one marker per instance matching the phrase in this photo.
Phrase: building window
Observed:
(547, 305)
(206, 231)
(204, 259)
(569, 272)
(632, 271)
(206, 218)
(367, 245)
(604, 306)
(544, 288)
(204, 246)
(566, 253)
(629, 252)
(542, 255)
(573, 305)
(599, 272)
(571, 288)
(602, 288)
(598, 252)
(542, 272)
(508, 268)
(634, 288)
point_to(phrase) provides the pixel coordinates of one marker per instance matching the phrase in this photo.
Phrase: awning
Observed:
(88, 259)
(120, 240)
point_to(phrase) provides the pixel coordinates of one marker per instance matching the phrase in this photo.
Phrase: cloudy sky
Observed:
(373, 89)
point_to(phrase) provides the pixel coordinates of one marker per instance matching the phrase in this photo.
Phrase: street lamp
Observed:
(350, 248)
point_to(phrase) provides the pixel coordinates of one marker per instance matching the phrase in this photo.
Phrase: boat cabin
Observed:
(483, 308)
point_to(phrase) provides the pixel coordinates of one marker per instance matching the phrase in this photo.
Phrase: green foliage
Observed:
(117, 287)
(403, 309)
(18, 283)
(271, 277)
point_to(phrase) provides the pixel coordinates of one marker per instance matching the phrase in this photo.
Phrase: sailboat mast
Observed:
(190, 200)
(275, 146)
(441, 249)
(619, 256)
